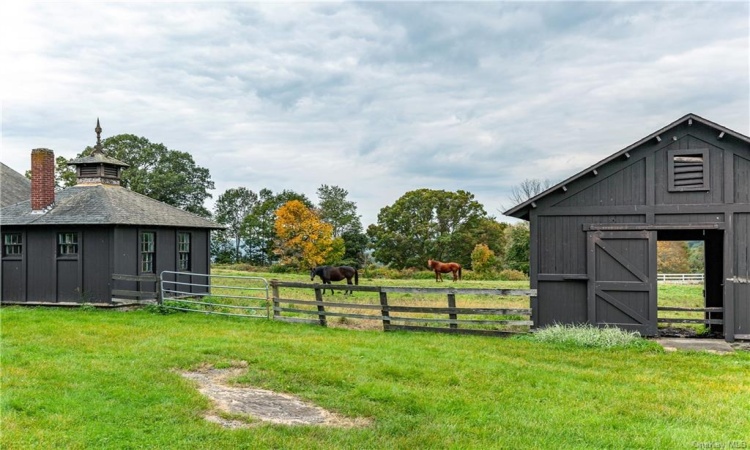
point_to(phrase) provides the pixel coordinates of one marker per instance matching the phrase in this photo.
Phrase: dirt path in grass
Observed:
(239, 406)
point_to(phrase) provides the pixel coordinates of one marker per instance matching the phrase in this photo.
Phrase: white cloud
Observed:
(378, 98)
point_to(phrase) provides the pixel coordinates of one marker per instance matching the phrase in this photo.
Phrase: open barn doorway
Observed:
(691, 305)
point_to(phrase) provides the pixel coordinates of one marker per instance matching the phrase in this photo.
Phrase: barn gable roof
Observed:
(104, 205)
(521, 210)
(14, 187)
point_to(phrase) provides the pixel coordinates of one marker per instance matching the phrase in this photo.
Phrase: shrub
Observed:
(512, 275)
(380, 272)
(280, 268)
(483, 259)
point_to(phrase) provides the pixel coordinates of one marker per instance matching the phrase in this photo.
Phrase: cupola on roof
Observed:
(98, 168)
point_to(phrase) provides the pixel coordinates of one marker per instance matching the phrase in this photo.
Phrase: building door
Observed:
(621, 268)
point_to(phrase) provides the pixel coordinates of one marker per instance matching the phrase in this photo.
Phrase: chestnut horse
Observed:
(441, 267)
(335, 273)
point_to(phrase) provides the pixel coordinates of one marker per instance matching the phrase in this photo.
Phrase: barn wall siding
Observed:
(68, 280)
(560, 302)
(562, 248)
(41, 266)
(741, 287)
(14, 272)
(13, 280)
(741, 179)
(625, 187)
(689, 218)
(126, 245)
(97, 265)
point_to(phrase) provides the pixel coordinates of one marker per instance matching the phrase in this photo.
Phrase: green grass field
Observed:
(107, 379)
(82, 379)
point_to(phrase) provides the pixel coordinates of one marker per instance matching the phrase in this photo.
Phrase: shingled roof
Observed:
(103, 205)
(14, 187)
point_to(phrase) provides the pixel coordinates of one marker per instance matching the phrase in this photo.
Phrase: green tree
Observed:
(517, 252)
(491, 233)
(65, 175)
(427, 224)
(169, 176)
(341, 213)
(336, 210)
(231, 209)
(696, 256)
(259, 232)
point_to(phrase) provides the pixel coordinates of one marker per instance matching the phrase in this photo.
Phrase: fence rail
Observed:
(447, 319)
(185, 291)
(711, 315)
(681, 278)
(138, 288)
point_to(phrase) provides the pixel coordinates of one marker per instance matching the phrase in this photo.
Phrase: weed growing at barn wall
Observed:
(585, 335)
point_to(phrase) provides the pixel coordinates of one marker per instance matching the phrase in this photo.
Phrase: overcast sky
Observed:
(377, 98)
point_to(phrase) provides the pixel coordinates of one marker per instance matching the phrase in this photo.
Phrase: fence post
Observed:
(384, 310)
(321, 308)
(275, 298)
(452, 304)
(158, 290)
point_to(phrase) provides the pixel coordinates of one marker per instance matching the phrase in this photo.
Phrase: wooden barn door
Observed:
(622, 280)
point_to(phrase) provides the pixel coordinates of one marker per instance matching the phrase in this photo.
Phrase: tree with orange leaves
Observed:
(304, 240)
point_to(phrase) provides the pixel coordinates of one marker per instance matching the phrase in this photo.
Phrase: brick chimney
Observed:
(42, 179)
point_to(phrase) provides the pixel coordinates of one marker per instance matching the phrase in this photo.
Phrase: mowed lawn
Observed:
(81, 378)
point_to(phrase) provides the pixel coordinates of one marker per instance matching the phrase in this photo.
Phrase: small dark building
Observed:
(594, 236)
(65, 246)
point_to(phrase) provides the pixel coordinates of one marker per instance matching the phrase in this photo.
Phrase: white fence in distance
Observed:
(680, 278)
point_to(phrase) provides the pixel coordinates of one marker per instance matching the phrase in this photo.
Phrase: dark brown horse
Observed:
(441, 267)
(335, 273)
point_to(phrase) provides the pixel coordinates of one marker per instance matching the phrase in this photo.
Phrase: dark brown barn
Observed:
(64, 247)
(594, 236)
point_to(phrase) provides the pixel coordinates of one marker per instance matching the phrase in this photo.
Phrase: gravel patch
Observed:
(254, 406)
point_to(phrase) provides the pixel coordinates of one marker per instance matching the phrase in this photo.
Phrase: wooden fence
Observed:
(445, 319)
(139, 288)
(680, 278)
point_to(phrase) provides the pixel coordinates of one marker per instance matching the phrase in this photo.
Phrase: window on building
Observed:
(183, 250)
(12, 244)
(148, 252)
(688, 170)
(67, 244)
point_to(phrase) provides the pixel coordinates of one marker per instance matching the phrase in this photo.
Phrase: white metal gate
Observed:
(215, 294)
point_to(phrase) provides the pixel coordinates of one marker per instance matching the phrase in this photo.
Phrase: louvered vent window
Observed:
(88, 171)
(688, 170)
(110, 171)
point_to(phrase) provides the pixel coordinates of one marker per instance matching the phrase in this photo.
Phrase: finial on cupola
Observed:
(98, 129)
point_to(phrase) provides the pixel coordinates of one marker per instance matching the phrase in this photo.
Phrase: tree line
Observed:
(288, 229)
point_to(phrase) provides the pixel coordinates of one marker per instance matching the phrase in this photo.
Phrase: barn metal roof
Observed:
(103, 205)
(521, 211)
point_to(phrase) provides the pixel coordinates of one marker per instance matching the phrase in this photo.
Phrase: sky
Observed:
(377, 98)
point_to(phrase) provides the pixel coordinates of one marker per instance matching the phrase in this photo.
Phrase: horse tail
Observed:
(459, 272)
(356, 276)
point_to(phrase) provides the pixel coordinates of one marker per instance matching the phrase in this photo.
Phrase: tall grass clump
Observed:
(586, 335)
